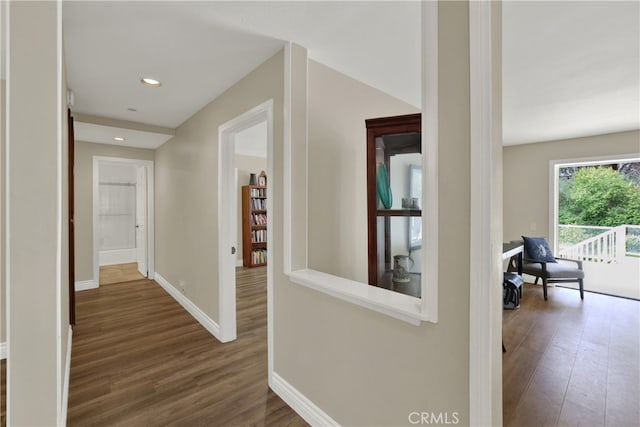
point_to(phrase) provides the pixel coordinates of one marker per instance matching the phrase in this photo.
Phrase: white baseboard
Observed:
(208, 323)
(300, 403)
(118, 256)
(3, 350)
(85, 284)
(239, 263)
(65, 386)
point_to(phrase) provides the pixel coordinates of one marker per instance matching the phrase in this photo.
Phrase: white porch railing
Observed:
(608, 246)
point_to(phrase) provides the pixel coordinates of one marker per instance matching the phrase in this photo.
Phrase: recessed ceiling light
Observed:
(150, 82)
(131, 109)
(118, 138)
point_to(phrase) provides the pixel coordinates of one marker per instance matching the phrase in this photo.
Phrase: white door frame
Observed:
(226, 208)
(148, 164)
(141, 219)
(554, 168)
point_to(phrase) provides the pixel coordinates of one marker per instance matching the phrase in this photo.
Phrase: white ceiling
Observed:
(199, 49)
(101, 134)
(569, 68)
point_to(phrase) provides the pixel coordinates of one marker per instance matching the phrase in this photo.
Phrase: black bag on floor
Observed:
(511, 291)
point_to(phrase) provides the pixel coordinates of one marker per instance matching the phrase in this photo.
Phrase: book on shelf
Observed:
(258, 192)
(259, 256)
(259, 204)
(259, 236)
(258, 219)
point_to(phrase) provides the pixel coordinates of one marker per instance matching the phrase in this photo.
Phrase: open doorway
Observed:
(252, 134)
(596, 219)
(122, 220)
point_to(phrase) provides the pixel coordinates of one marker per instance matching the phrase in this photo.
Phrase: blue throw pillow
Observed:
(538, 249)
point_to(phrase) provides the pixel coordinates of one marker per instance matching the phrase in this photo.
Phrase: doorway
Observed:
(252, 124)
(595, 218)
(122, 219)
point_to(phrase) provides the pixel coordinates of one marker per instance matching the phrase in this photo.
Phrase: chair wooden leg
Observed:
(536, 281)
(581, 289)
(544, 288)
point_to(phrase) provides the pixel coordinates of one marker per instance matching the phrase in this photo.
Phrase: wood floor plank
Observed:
(140, 359)
(574, 362)
(119, 273)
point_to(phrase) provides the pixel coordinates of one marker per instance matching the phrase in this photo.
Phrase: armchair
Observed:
(540, 262)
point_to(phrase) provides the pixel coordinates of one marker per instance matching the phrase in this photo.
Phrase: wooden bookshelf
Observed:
(254, 226)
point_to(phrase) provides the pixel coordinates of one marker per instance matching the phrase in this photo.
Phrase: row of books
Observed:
(259, 236)
(259, 256)
(258, 192)
(259, 204)
(258, 219)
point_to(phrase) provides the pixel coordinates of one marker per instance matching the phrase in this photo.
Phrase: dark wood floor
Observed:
(570, 362)
(139, 359)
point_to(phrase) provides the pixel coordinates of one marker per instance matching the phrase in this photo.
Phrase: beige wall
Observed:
(338, 107)
(362, 367)
(526, 169)
(246, 165)
(186, 169)
(3, 327)
(83, 186)
(36, 330)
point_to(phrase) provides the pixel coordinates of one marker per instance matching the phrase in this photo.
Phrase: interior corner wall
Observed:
(362, 367)
(526, 168)
(186, 180)
(83, 188)
(337, 144)
(246, 165)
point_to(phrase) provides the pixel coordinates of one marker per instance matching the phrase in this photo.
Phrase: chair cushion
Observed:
(538, 249)
(556, 270)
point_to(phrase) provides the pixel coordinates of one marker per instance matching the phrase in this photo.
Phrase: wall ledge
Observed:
(393, 304)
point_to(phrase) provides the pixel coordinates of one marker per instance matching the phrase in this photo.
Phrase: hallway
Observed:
(140, 359)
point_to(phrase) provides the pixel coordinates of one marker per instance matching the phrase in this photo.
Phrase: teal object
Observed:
(384, 189)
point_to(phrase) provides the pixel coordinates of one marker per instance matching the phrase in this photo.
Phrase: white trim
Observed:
(300, 403)
(65, 385)
(393, 304)
(117, 256)
(429, 125)
(226, 198)
(3, 350)
(149, 165)
(483, 269)
(270, 238)
(286, 194)
(555, 165)
(402, 307)
(208, 323)
(239, 262)
(85, 285)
